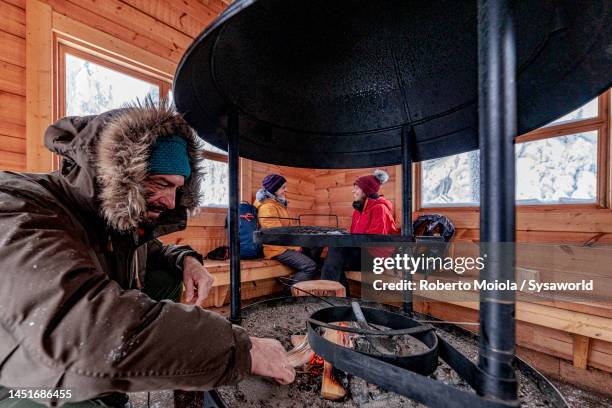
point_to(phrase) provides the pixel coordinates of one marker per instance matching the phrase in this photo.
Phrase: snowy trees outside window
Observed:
(550, 170)
(215, 185)
(92, 88)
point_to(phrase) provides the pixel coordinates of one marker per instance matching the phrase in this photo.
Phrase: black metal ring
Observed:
(423, 363)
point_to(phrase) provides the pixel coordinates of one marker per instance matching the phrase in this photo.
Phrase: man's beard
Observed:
(157, 208)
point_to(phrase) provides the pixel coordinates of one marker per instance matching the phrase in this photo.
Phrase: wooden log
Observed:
(302, 353)
(331, 389)
(319, 288)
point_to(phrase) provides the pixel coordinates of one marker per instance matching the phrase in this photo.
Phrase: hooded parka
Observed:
(70, 256)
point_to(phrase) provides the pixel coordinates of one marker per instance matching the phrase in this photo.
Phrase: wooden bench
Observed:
(251, 271)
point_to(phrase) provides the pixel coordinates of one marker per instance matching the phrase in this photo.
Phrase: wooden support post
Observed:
(581, 351)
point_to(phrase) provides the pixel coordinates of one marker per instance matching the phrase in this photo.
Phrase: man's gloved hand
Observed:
(269, 359)
(197, 280)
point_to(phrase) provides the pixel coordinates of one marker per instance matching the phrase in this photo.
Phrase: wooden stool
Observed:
(319, 288)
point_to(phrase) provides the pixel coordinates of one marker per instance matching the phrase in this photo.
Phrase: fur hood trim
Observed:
(122, 156)
(263, 194)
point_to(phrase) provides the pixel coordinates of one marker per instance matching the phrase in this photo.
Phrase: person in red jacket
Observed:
(373, 215)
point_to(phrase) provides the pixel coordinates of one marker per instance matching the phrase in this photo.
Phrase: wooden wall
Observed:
(206, 230)
(161, 28)
(165, 28)
(333, 192)
(12, 85)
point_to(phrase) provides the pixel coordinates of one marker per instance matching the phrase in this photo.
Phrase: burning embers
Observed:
(335, 384)
(306, 361)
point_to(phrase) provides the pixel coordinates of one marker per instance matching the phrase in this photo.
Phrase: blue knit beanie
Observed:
(169, 156)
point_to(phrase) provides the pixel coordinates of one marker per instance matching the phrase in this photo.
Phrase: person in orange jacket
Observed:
(271, 205)
(373, 214)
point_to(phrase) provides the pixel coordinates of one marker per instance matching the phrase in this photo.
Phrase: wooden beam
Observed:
(13, 145)
(39, 80)
(12, 161)
(564, 218)
(17, 130)
(253, 274)
(17, 3)
(581, 351)
(246, 180)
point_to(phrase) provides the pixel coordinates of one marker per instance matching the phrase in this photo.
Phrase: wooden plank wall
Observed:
(206, 230)
(163, 27)
(333, 192)
(12, 85)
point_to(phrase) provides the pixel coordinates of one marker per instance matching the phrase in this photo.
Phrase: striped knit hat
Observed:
(272, 182)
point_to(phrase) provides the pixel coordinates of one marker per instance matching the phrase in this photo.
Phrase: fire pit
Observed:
(354, 84)
(285, 317)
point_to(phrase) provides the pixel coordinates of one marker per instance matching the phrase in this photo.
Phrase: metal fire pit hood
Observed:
(356, 83)
(331, 84)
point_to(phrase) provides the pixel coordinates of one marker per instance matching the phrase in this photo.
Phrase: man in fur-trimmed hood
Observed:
(76, 245)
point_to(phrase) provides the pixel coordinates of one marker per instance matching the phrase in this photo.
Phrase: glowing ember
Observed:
(315, 365)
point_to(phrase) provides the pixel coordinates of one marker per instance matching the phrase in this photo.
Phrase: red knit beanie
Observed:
(371, 184)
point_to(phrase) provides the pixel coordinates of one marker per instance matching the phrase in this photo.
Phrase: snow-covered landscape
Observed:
(554, 170)
(92, 89)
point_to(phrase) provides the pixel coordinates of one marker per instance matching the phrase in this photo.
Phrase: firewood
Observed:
(302, 353)
(331, 389)
(319, 287)
(297, 339)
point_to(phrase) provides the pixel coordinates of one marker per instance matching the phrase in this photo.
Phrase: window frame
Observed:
(63, 45)
(600, 124)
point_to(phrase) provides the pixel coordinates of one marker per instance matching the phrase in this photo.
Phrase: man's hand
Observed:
(197, 280)
(269, 359)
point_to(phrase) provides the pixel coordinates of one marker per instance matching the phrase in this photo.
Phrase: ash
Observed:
(284, 320)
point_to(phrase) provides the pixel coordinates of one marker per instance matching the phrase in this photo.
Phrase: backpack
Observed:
(218, 254)
(248, 224)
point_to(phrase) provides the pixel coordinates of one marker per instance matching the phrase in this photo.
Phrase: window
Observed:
(91, 83)
(92, 88)
(561, 163)
(215, 186)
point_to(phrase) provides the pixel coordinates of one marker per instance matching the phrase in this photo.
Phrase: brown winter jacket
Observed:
(69, 254)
